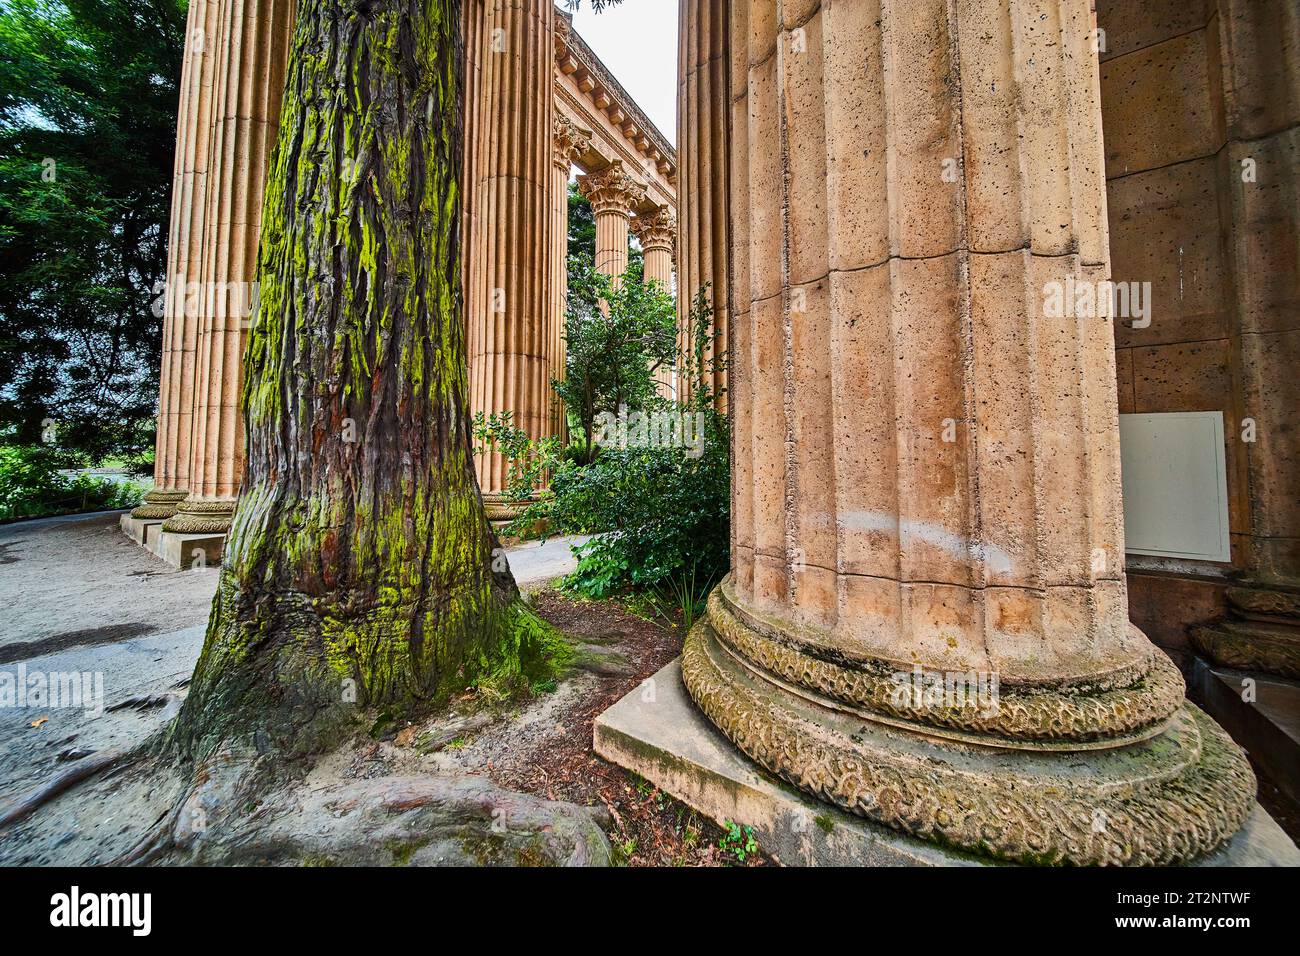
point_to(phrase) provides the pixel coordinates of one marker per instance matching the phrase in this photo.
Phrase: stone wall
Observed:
(1190, 90)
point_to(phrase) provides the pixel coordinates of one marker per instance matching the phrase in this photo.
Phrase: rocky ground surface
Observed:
(487, 781)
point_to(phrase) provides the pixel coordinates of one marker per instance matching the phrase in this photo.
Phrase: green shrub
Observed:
(660, 517)
(657, 502)
(527, 461)
(33, 486)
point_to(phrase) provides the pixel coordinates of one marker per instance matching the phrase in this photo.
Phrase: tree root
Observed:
(82, 770)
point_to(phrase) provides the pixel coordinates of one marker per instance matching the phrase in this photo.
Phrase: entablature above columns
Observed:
(588, 96)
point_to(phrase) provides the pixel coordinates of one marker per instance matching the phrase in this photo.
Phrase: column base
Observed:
(1137, 776)
(501, 512)
(159, 504)
(657, 732)
(201, 516)
(1261, 633)
(143, 531)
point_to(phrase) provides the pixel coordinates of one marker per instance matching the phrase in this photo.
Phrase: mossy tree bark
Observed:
(360, 557)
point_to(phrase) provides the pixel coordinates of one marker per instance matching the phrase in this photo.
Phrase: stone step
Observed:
(1268, 726)
(1264, 601)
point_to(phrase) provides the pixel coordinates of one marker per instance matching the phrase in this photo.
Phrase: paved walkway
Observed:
(77, 597)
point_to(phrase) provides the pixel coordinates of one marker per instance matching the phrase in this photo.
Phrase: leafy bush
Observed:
(658, 515)
(658, 510)
(32, 485)
(617, 336)
(527, 461)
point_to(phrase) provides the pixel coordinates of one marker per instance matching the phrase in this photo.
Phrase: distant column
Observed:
(657, 233)
(568, 143)
(613, 195)
(252, 51)
(184, 249)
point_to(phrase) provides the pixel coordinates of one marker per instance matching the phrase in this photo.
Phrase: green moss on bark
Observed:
(360, 560)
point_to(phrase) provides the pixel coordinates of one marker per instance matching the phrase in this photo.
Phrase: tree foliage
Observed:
(616, 338)
(88, 93)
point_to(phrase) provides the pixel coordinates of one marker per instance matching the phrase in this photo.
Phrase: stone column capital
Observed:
(656, 230)
(568, 141)
(612, 190)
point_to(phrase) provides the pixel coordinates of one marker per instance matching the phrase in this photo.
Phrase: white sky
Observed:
(637, 41)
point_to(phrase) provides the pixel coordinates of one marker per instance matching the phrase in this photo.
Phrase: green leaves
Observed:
(617, 335)
(88, 93)
(33, 484)
(659, 516)
(738, 841)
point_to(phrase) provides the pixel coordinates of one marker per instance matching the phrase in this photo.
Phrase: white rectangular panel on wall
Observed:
(1175, 485)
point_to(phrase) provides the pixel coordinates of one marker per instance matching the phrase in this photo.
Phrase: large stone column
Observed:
(252, 50)
(926, 621)
(509, 298)
(184, 249)
(657, 233)
(1260, 216)
(614, 196)
(703, 151)
(568, 143)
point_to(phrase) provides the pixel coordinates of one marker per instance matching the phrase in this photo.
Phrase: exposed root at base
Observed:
(84, 769)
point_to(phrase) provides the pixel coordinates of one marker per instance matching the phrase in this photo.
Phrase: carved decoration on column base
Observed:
(201, 516)
(1163, 800)
(160, 503)
(1261, 632)
(1135, 705)
(500, 508)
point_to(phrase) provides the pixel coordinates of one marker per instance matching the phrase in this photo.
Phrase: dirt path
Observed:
(67, 583)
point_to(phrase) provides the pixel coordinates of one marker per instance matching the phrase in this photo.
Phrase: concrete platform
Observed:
(140, 530)
(1268, 726)
(657, 732)
(190, 550)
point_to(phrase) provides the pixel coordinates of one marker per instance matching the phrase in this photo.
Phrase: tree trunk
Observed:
(360, 563)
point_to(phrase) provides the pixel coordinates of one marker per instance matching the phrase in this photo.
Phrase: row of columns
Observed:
(926, 468)
(518, 155)
(233, 79)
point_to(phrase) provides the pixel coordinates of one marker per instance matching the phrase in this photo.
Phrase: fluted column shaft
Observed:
(927, 463)
(184, 250)
(1260, 73)
(926, 496)
(252, 48)
(509, 327)
(703, 145)
(611, 241)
